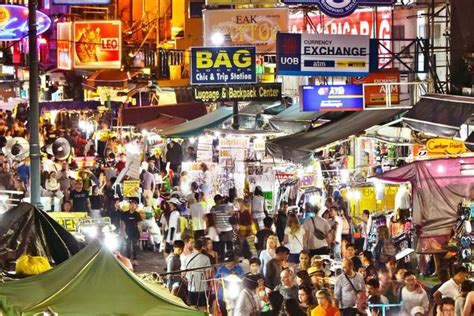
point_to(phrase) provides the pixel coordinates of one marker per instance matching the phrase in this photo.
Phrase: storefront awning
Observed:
(196, 127)
(298, 147)
(293, 120)
(441, 115)
(438, 187)
(162, 122)
(255, 108)
(110, 78)
(138, 115)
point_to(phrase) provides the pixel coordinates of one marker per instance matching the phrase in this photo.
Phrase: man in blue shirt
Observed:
(226, 298)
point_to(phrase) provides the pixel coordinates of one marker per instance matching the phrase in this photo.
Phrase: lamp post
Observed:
(33, 120)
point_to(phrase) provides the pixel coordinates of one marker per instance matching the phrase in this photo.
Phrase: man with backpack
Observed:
(316, 235)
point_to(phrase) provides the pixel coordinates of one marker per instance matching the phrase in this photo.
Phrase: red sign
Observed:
(361, 22)
(377, 95)
(97, 44)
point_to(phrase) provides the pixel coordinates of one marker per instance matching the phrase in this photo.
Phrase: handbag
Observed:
(318, 233)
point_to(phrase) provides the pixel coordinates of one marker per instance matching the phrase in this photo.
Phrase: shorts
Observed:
(197, 299)
(226, 236)
(168, 248)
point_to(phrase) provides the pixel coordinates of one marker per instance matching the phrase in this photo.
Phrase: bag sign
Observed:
(341, 8)
(332, 98)
(223, 65)
(322, 55)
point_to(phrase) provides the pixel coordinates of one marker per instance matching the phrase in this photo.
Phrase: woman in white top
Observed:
(269, 252)
(258, 208)
(294, 233)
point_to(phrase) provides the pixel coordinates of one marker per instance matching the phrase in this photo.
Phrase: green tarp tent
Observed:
(92, 282)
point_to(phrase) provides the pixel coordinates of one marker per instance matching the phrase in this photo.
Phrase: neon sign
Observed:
(14, 22)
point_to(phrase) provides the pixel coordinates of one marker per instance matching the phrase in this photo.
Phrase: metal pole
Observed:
(33, 120)
(235, 118)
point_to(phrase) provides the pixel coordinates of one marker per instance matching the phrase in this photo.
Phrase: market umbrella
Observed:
(110, 78)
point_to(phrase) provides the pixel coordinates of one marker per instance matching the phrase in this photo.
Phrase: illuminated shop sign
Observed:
(14, 22)
(246, 27)
(322, 55)
(332, 98)
(97, 45)
(222, 65)
(254, 92)
(340, 8)
(64, 46)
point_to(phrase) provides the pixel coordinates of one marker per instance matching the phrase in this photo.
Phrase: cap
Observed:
(133, 200)
(175, 201)
(313, 270)
(416, 310)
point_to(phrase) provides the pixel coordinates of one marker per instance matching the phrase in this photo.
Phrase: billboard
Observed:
(223, 65)
(322, 55)
(97, 44)
(14, 22)
(377, 94)
(64, 46)
(332, 98)
(243, 27)
(254, 92)
(340, 8)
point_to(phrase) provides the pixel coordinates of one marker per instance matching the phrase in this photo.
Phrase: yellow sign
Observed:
(131, 188)
(443, 146)
(68, 220)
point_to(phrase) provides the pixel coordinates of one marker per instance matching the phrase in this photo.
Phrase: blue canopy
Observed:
(197, 126)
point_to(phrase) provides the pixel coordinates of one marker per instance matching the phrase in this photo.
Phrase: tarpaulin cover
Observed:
(293, 120)
(92, 282)
(162, 122)
(197, 126)
(27, 230)
(271, 108)
(438, 187)
(137, 115)
(297, 147)
(441, 115)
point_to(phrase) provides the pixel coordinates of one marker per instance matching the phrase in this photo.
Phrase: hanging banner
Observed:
(241, 27)
(14, 22)
(322, 55)
(341, 8)
(376, 95)
(332, 98)
(64, 48)
(222, 65)
(254, 92)
(98, 44)
(131, 188)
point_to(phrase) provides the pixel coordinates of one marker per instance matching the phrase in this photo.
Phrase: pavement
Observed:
(150, 261)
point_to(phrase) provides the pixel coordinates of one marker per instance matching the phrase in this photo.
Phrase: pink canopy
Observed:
(437, 188)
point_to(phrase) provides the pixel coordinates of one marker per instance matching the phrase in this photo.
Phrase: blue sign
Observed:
(322, 55)
(223, 65)
(332, 98)
(340, 8)
(14, 22)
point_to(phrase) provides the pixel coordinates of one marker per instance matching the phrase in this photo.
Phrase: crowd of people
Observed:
(227, 254)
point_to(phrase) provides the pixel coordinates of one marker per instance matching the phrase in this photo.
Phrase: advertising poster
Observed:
(360, 22)
(222, 65)
(332, 98)
(97, 44)
(376, 95)
(243, 27)
(254, 92)
(64, 49)
(322, 55)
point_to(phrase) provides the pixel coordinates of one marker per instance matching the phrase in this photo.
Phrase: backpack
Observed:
(388, 251)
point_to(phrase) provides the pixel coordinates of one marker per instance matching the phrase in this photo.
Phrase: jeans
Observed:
(336, 250)
(132, 248)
